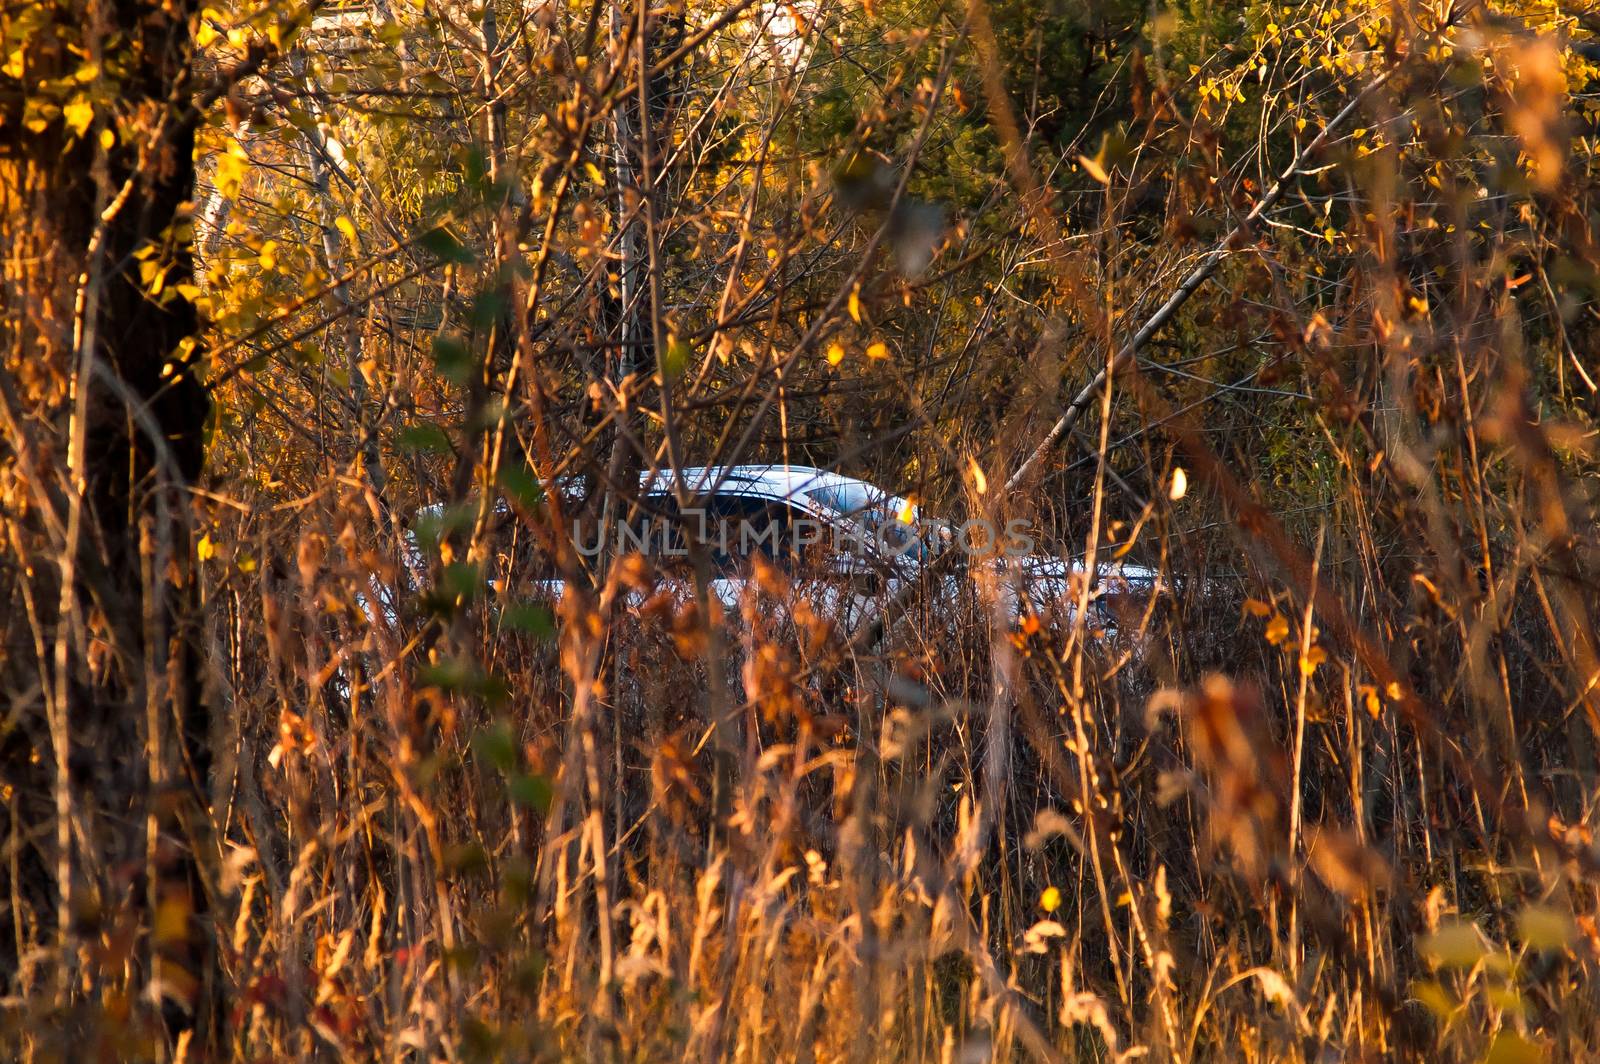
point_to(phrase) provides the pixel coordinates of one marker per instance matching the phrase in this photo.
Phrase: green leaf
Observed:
(475, 169)
(448, 675)
(534, 618)
(531, 790)
(444, 246)
(496, 745)
(462, 580)
(487, 307)
(520, 485)
(434, 523)
(459, 584)
(453, 359)
(676, 358)
(464, 678)
(425, 438)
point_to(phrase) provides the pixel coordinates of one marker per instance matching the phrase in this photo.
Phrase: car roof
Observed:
(781, 481)
(774, 481)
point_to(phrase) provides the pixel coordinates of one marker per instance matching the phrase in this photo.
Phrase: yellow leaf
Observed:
(1509, 1047)
(835, 353)
(1094, 169)
(878, 350)
(1050, 900)
(855, 304)
(1277, 629)
(1454, 945)
(346, 227)
(979, 482)
(1436, 997)
(172, 920)
(205, 549)
(79, 113)
(1311, 659)
(231, 171)
(1542, 927)
(1180, 484)
(108, 139)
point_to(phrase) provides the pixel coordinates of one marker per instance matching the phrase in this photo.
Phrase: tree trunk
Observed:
(106, 752)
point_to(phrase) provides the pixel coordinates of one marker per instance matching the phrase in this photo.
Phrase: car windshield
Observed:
(848, 497)
(890, 519)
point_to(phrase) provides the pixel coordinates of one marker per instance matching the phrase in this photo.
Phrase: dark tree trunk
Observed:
(103, 427)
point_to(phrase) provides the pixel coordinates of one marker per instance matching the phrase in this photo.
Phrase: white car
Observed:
(848, 545)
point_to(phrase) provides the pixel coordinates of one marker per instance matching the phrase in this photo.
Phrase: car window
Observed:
(653, 527)
(847, 497)
(741, 527)
(882, 516)
(732, 528)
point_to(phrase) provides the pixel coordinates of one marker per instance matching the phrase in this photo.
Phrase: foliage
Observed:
(338, 745)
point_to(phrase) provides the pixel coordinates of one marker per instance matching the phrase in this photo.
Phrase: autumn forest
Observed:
(799, 530)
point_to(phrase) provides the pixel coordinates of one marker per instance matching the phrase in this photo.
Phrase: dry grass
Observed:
(649, 837)
(1327, 798)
